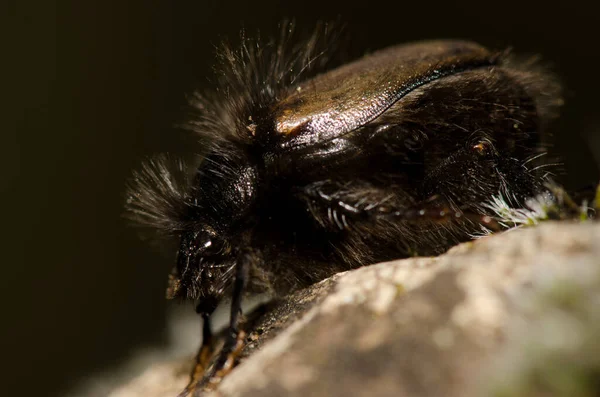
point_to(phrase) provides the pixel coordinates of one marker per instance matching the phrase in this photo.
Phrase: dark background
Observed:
(93, 87)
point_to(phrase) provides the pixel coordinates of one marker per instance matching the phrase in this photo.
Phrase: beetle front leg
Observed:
(203, 358)
(234, 338)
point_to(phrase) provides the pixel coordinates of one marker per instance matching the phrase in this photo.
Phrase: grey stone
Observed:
(514, 314)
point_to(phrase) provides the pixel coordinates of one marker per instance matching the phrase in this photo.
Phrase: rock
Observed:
(515, 314)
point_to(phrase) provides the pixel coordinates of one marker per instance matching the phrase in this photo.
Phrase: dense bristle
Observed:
(253, 76)
(157, 195)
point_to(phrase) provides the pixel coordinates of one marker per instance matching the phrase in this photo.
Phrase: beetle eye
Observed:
(201, 243)
(211, 247)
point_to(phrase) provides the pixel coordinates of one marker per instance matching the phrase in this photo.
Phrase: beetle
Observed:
(307, 171)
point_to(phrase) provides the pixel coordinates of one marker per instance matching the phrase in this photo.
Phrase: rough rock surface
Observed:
(515, 314)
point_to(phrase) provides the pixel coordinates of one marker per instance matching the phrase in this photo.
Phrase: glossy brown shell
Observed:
(352, 95)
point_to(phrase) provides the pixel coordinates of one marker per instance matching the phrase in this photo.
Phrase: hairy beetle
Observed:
(308, 172)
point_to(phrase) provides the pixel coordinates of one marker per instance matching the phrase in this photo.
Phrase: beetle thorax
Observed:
(225, 191)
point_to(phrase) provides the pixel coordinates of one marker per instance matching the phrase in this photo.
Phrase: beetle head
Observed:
(204, 266)
(222, 194)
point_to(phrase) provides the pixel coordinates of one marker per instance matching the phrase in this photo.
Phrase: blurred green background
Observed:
(93, 87)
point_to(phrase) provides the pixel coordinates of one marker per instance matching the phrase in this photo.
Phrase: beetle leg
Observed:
(234, 338)
(436, 210)
(333, 204)
(205, 353)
